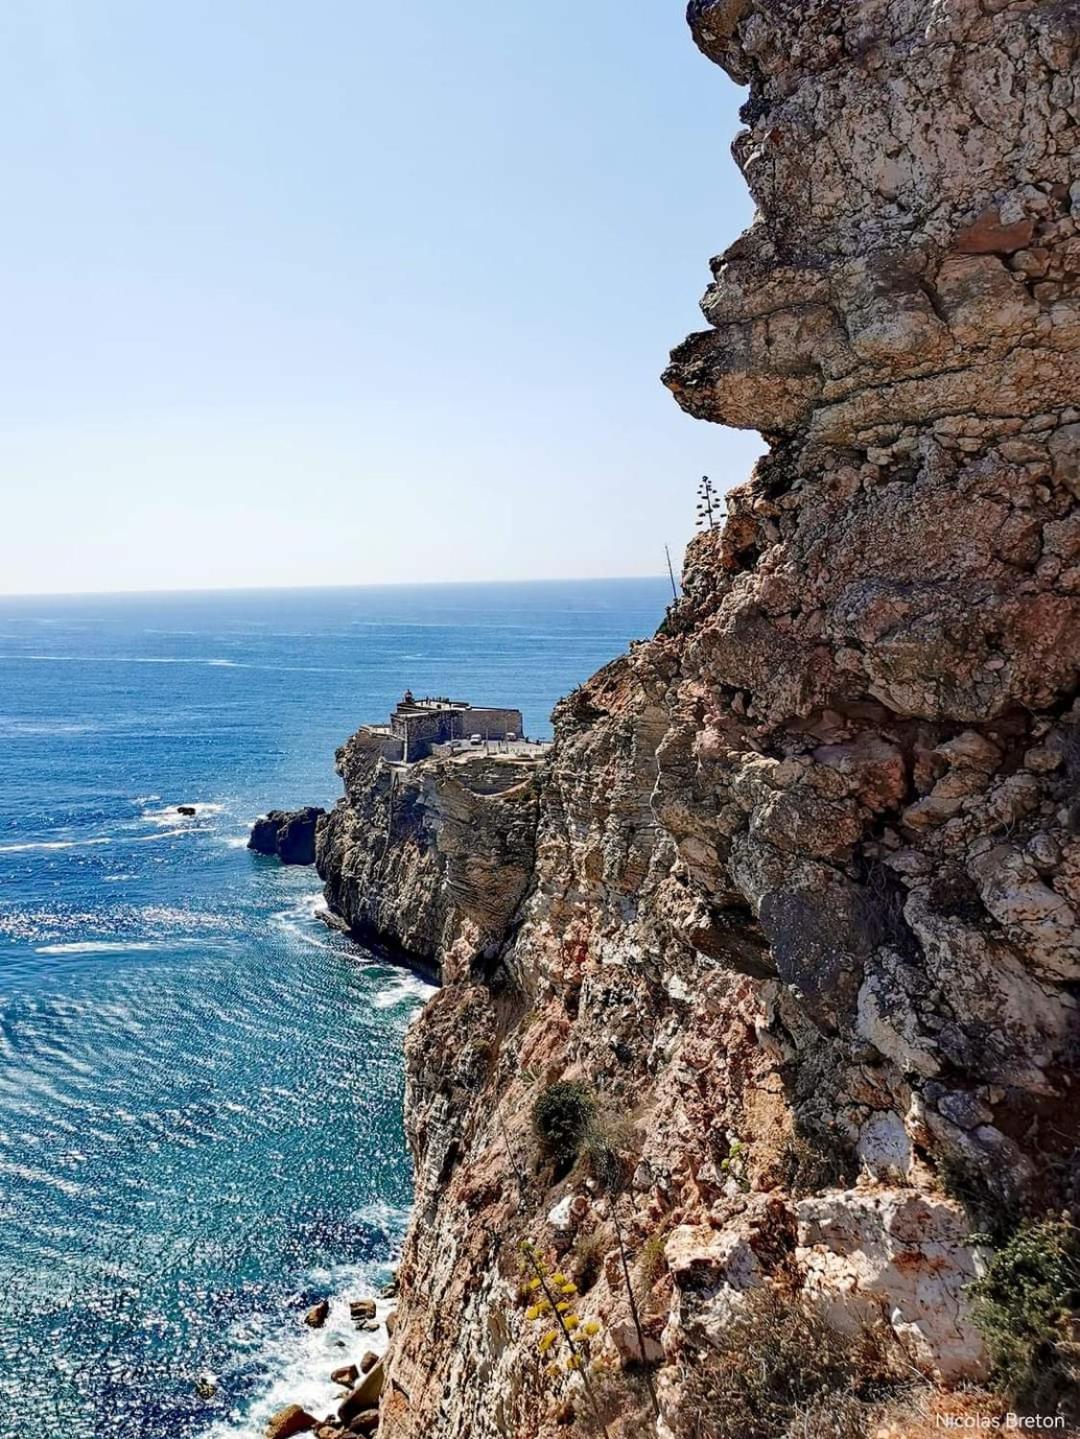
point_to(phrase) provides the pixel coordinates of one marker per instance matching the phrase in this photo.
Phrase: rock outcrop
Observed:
(288, 834)
(429, 859)
(801, 913)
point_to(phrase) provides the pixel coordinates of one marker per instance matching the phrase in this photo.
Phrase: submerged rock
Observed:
(288, 834)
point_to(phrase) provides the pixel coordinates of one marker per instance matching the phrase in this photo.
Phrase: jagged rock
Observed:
(362, 1310)
(317, 1315)
(289, 834)
(348, 1374)
(289, 1421)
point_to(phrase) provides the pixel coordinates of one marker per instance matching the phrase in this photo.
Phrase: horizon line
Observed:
(319, 589)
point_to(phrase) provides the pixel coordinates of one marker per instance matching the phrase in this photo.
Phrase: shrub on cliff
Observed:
(778, 1371)
(607, 1145)
(1027, 1305)
(561, 1118)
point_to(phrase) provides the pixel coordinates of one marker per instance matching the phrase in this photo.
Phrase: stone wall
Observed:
(421, 729)
(491, 723)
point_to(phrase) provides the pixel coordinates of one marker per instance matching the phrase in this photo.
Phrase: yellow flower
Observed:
(547, 1341)
(568, 1287)
(571, 1321)
(534, 1312)
(559, 1279)
(563, 1307)
(574, 1362)
(592, 1328)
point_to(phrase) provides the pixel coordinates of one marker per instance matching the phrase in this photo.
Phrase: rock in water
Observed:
(364, 1396)
(348, 1374)
(317, 1315)
(289, 1421)
(289, 834)
(187, 810)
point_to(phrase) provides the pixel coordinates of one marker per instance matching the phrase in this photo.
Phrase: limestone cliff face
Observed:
(803, 911)
(430, 859)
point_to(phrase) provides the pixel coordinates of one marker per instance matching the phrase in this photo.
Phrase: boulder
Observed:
(188, 810)
(366, 1422)
(288, 1421)
(316, 1316)
(364, 1396)
(900, 1256)
(361, 1310)
(368, 1361)
(348, 1374)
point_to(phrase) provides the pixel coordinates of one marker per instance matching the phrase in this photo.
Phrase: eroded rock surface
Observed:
(803, 909)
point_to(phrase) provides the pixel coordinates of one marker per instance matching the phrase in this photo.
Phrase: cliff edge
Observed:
(794, 943)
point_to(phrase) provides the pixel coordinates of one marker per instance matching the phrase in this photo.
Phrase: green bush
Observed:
(561, 1119)
(1026, 1305)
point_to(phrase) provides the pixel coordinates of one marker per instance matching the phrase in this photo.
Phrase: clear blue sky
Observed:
(350, 292)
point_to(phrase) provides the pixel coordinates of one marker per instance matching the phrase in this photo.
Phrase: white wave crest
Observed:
(101, 946)
(170, 814)
(296, 1360)
(404, 988)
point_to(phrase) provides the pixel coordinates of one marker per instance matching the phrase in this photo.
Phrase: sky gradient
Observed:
(346, 292)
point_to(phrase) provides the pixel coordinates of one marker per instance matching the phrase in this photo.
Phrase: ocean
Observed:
(200, 1084)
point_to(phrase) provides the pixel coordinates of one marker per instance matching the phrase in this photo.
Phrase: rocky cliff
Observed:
(800, 923)
(431, 859)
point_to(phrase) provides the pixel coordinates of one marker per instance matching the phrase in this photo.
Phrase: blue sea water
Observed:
(201, 1085)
